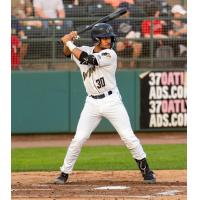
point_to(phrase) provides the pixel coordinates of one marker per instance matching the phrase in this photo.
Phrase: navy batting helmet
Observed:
(103, 30)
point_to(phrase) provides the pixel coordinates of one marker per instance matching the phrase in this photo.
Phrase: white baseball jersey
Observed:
(101, 78)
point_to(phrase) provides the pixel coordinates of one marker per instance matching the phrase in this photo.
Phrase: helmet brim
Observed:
(106, 35)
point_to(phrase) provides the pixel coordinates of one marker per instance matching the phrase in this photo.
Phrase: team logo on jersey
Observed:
(88, 73)
(84, 61)
(98, 56)
(106, 54)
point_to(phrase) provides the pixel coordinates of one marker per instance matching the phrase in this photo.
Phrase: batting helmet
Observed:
(103, 30)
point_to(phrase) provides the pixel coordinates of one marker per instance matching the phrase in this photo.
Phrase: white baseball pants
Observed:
(112, 108)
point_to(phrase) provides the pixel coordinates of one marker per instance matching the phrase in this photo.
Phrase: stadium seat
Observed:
(81, 27)
(99, 9)
(137, 11)
(66, 28)
(41, 46)
(165, 9)
(75, 11)
(164, 52)
(39, 50)
(34, 32)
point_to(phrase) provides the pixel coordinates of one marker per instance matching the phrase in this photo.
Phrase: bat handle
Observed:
(81, 31)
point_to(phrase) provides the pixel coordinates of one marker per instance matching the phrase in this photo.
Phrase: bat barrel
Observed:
(117, 13)
(85, 29)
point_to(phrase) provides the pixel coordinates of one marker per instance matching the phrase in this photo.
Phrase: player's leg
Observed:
(119, 118)
(88, 121)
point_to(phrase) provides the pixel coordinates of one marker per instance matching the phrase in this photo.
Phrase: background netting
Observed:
(35, 46)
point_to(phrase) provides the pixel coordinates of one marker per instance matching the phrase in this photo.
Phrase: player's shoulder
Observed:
(108, 52)
(86, 48)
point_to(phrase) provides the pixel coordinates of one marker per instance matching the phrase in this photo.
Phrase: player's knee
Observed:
(131, 143)
(79, 140)
(130, 140)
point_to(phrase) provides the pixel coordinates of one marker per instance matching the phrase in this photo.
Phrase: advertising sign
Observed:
(163, 99)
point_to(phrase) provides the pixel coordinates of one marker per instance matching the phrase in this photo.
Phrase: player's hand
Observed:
(72, 36)
(66, 38)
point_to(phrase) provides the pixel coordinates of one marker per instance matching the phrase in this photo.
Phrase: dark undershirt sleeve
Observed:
(87, 59)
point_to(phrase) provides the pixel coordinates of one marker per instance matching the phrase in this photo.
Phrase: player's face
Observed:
(105, 43)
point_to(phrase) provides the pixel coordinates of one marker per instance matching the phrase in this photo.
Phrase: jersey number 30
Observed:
(100, 82)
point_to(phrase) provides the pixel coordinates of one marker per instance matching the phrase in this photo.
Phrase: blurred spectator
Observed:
(124, 27)
(23, 9)
(16, 27)
(73, 2)
(49, 9)
(136, 10)
(116, 3)
(178, 26)
(165, 8)
(82, 2)
(15, 52)
(178, 29)
(152, 27)
(18, 48)
(153, 10)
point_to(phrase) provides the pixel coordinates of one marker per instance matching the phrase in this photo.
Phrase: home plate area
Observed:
(100, 185)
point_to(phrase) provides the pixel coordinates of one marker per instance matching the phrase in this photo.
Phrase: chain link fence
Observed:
(143, 40)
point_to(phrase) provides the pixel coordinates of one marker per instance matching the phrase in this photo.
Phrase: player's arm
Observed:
(70, 48)
(64, 39)
(66, 50)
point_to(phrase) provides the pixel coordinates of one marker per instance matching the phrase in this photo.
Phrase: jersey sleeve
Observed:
(106, 57)
(82, 48)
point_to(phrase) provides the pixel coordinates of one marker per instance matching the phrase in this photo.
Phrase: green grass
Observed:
(99, 158)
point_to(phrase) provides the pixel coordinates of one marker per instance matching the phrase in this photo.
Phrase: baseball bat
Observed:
(107, 18)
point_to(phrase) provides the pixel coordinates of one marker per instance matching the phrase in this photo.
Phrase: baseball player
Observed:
(98, 65)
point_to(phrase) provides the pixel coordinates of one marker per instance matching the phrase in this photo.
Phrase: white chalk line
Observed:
(39, 185)
(116, 196)
(30, 189)
(117, 187)
(95, 188)
(89, 196)
(169, 193)
(166, 193)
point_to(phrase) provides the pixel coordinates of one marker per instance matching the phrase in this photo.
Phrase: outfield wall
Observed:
(51, 101)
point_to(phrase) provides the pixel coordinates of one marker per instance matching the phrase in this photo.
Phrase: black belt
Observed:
(101, 96)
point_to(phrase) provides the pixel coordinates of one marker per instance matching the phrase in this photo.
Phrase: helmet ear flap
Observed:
(113, 41)
(97, 39)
